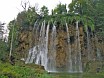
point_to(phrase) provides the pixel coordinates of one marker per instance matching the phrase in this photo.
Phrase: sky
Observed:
(10, 8)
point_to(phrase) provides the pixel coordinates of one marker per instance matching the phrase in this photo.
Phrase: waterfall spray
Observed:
(44, 53)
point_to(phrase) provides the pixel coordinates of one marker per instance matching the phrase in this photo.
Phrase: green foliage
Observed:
(60, 9)
(99, 17)
(62, 19)
(91, 8)
(29, 71)
(27, 18)
(9, 71)
(82, 7)
(44, 11)
(3, 50)
(88, 22)
(14, 29)
(74, 7)
(24, 21)
(31, 16)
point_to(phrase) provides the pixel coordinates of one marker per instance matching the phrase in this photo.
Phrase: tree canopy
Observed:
(90, 12)
(44, 11)
(60, 9)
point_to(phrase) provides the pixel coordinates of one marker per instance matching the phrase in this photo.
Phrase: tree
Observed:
(93, 9)
(77, 6)
(82, 7)
(99, 17)
(44, 11)
(3, 45)
(1, 30)
(3, 51)
(25, 5)
(13, 35)
(31, 15)
(27, 18)
(60, 9)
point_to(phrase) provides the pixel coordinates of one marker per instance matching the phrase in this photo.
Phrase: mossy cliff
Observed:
(89, 52)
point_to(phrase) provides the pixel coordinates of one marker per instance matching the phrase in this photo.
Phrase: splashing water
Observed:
(45, 51)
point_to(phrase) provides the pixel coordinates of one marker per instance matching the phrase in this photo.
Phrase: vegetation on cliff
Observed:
(34, 71)
(22, 71)
(89, 13)
(81, 10)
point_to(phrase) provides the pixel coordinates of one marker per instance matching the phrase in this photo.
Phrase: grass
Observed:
(24, 71)
(35, 71)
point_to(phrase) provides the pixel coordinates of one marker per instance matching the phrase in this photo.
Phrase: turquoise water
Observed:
(66, 75)
(80, 75)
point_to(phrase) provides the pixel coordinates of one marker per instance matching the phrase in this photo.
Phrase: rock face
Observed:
(72, 49)
(61, 54)
(25, 43)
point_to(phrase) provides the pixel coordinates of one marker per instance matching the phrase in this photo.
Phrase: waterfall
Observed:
(88, 44)
(98, 54)
(42, 43)
(98, 50)
(69, 49)
(78, 63)
(37, 53)
(52, 52)
(45, 49)
(29, 57)
(33, 52)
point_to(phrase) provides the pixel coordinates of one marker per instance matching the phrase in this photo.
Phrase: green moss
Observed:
(7, 70)
(35, 71)
(62, 19)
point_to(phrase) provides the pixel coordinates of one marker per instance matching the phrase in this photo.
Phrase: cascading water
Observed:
(52, 52)
(69, 49)
(76, 57)
(98, 53)
(98, 50)
(79, 63)
(47, 50)
(33, 51)
(42, 47)
(88, 44)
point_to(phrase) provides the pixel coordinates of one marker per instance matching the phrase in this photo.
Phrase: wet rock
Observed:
(12, 60)
(98, 69)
